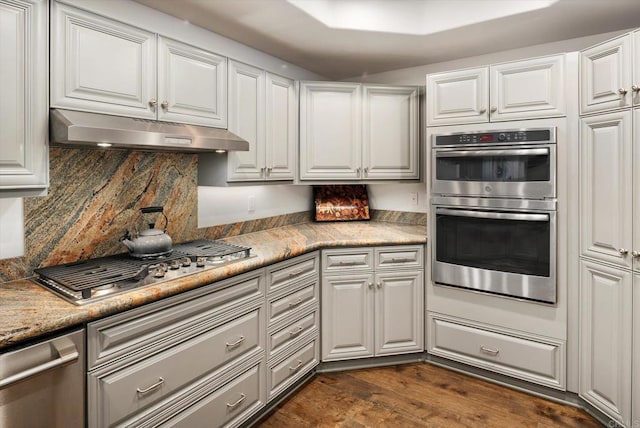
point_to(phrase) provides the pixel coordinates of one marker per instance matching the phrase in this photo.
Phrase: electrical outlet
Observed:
(414, 198)
(251, 203)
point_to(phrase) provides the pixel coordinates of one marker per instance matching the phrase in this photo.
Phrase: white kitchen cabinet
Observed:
(350, 131)
(606, 188)
(262, 110)
(605, 76)
(182, 358)
(605, 339)
(527, 89)
(371, 310)
(191, 84)
(24, 109)
(390, 133)
(457, 97)
(330, 131)
(104, 66)
(635, 380)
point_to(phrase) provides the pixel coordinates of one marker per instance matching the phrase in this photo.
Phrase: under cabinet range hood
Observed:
(77, 128)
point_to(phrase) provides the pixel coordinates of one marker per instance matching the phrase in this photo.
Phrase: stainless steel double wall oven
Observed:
(494, 211)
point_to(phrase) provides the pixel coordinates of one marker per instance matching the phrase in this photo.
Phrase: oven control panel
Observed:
(517, 136)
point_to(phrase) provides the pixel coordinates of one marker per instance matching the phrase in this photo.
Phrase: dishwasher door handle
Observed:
(65, 356)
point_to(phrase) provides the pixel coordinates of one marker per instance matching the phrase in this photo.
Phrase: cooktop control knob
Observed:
(502, 136)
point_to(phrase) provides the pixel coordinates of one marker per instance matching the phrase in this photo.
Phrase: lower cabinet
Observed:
(606, 340)
(372, 302)
(196, 357)
(534, 359)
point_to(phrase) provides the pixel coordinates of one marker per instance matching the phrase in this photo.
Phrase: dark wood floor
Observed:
(417, 395)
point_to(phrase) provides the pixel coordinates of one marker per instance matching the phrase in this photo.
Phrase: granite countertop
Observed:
(28, 311)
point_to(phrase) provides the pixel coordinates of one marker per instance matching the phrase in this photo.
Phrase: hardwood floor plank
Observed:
(417, 395)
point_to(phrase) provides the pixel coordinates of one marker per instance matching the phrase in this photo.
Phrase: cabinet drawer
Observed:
(156, 325)
(126, 391)
(283, 274)
(289, 334)
(284, 306)
(399, 257)
(530, 359)
(347, 260)
(285, 373)
(229, 405)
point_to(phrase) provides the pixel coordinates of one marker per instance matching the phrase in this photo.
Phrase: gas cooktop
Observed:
(96, 279)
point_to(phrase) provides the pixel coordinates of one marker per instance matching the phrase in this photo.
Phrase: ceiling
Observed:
(442, 30)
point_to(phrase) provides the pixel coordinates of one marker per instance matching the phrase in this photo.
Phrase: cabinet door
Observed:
(635, 393)
(330, 131)
(390, 133)
(605, 76)
(399, 319)
(605, 339)
(605, 188)
(24, 110)
(281, 128)
(635, 83)
(636, 191)
(527, 89)
(192, 85)
(246, 119)
(347, 317)
(458, 97)
(100, 65)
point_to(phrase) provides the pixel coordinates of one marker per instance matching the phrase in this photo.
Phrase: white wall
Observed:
(222, 205)
(11, 228)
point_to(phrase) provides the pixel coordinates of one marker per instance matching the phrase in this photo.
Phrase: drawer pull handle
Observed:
(295, 273)
(152, 387)
(236, 343)
(343, 263)
(295, 302)
(238, 401)
(489, 350)
(405, 260)
(297, 367)
(297, 331)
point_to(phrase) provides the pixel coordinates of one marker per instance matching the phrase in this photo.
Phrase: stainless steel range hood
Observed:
(76, 128)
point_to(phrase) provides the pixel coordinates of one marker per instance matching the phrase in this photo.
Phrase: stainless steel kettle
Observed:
(150, 242)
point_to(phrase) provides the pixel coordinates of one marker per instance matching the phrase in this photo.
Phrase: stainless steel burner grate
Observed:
(125, 272)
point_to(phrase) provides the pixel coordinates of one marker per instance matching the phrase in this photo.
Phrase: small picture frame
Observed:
(341, 202)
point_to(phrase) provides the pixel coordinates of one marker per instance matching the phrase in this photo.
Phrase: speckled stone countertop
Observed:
(28, 311)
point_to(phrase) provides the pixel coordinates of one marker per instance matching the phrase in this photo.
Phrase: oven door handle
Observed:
(503, 152)
(493, 215)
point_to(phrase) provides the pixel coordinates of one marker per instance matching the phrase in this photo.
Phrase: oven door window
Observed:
(500, 241)
(510, 165)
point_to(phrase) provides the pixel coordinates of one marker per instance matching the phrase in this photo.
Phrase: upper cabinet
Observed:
(104, 66)
(606, 76)
(24, 154)
(262, 110)
(528, 89)
(350, 131)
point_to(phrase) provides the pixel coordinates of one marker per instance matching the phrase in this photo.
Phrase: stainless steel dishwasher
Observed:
(42, 385)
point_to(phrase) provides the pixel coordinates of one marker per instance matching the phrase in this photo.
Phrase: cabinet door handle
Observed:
(483, 110)
(622, 91)
(489, 350)
(371, 285)
(236, 343)
(343, 263)
(379, 285)
(293, 369)
(295, 302)
(269, 169)
(623, 252)
(494, 109)
(358, 171)
(153, 103)
(262, 171)
(366, 171)
(297, 331)
(394, 260)
(152, 387)
(165, 104)
(295, 273)
(635, 254)
(635, 88)
(238, 401)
